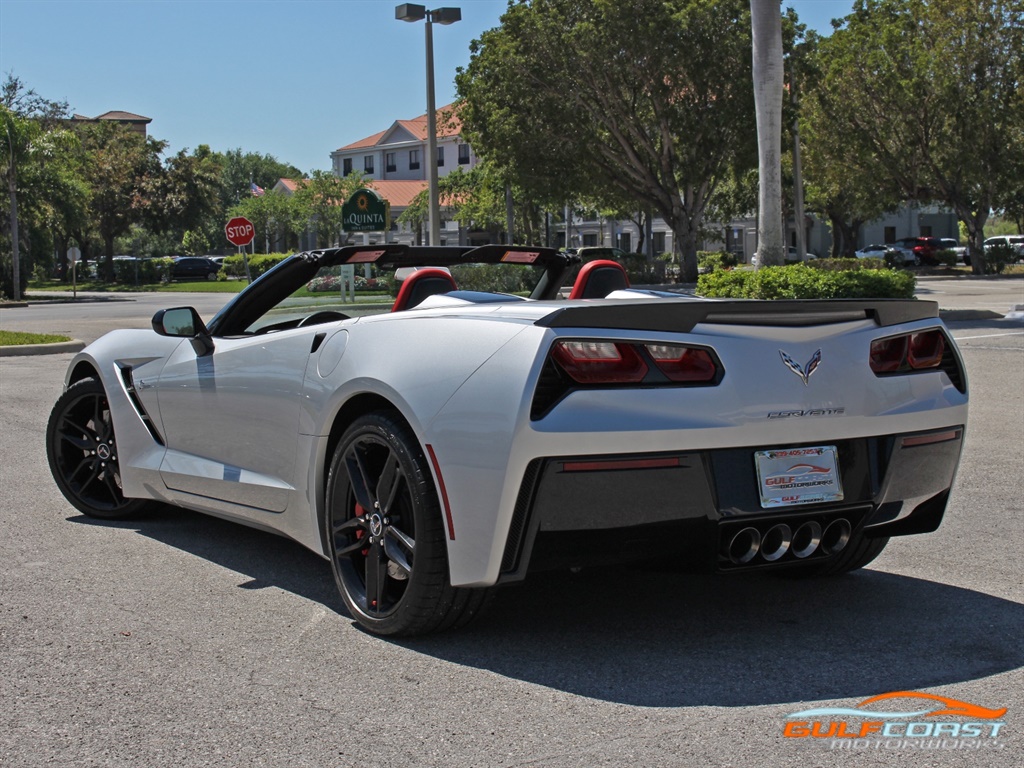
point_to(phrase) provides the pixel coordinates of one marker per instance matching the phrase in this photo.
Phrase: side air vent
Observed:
(133, 396)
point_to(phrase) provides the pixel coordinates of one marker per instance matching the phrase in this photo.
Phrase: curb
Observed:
(969, 314)
(23, 350)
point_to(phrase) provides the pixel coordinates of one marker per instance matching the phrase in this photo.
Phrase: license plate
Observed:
(791, 476)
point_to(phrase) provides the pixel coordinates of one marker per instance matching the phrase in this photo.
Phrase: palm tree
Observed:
(766, 26)
(15, 141)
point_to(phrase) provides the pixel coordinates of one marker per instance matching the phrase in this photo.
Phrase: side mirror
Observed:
(185, 323)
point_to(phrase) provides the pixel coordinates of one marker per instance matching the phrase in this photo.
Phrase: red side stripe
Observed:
(444, 493)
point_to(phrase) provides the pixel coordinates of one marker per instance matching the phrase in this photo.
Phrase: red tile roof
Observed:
(448, 124)
(399, 193)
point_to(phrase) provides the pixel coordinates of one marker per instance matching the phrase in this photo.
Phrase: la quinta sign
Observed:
(366, 211)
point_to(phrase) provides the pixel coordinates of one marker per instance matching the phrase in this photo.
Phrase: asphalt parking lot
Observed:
(182, 640)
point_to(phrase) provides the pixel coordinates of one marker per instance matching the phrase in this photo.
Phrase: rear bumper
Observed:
(688, 506)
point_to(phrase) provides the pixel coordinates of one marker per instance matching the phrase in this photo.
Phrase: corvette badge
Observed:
(803, 372)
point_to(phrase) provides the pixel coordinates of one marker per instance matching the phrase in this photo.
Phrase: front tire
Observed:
(82, 452)
(385, 533)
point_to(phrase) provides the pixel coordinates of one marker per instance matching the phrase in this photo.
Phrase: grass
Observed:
(18, 338)
(196, 286)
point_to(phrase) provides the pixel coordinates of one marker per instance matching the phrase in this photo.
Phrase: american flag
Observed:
(256, 189)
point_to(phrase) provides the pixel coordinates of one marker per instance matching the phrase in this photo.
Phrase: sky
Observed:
(295, 79)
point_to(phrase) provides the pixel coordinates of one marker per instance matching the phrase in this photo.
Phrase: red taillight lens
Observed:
(685, 364)
(926, 350)
(887, 355)
(600, 362)
(910, 352)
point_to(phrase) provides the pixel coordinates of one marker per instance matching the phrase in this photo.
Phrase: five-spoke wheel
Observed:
(385, 533)
(83, 454)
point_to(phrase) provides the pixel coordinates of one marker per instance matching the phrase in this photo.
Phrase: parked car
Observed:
(468, 438)
(1013, 241)
(194, 267)
(917, 250)
(873, 251)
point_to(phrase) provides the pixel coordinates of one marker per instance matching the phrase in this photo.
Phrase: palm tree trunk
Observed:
(766, 26)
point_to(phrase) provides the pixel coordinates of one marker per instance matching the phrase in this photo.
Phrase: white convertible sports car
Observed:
(468, 438)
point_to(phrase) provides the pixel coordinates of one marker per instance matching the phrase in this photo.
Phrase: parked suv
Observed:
(918, 250)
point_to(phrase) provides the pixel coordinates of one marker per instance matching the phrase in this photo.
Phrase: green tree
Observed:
(187, 196)
(272, 214)
(241, 169)
(44, 190)
(926, 100)
(318, 203)
(123, 169)
(600, 99)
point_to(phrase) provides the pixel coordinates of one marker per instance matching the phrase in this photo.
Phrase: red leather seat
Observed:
(599, 278)
(421, 284)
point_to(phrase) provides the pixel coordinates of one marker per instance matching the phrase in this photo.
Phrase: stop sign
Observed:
(240, 231)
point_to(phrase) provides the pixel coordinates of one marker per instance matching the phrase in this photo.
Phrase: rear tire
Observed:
(82, 452)
(386, 536)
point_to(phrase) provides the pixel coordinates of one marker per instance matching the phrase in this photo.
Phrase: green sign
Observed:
(366, 211)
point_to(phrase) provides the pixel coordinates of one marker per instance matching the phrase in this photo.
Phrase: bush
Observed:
(142, 271)
(494, 278)
(234, 266)
(709, 261)
(803, 282)
(894, 260)
(643, 272)
(997, 257)
(946, 258)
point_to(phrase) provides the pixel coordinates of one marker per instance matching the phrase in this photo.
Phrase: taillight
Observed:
(926, 350)
(683, 364)
(621, 362)
(887, 355)
(600, 362)
(909, 352)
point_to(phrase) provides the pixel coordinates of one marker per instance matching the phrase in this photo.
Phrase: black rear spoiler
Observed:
(680, 316)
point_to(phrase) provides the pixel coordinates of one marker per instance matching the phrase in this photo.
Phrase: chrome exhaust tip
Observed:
(836, 536)
(743, 547)
(806, 539)
(775, 542)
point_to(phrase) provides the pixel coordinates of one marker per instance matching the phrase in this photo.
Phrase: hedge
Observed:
(804, 282)
(234, 266)
(142, 271)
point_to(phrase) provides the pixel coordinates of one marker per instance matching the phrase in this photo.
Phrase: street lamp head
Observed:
(410, 12)
(446, 15)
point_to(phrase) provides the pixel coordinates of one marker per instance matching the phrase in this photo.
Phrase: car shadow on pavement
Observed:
(658, 639)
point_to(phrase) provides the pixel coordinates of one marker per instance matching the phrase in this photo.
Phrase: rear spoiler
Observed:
(681, 316)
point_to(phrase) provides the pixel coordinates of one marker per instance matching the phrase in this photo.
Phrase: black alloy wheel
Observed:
(83, 455)
(386, 536)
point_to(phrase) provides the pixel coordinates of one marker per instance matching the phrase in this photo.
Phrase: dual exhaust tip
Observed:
(749, 543)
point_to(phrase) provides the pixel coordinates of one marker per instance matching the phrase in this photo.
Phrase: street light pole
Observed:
(412, 12)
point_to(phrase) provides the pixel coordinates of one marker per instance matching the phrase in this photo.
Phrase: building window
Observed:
(346, 166)
(414, 159)
(368, 163)
(890, 235)
(463, 154)
(926, 231)
(658, 238)
(440, 157)
(389, 162)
